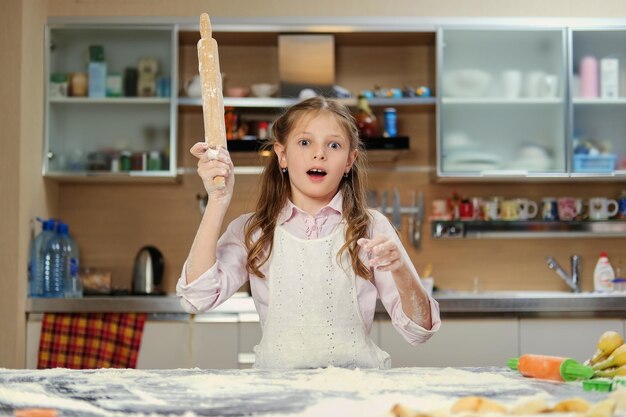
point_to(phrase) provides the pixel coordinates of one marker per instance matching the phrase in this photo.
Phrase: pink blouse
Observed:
(229, 273)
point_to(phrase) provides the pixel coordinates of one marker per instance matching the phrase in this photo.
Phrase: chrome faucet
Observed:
(571, 281)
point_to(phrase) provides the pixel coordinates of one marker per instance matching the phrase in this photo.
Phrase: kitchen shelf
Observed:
(113, 177)
(397, 143)
(443, 229)
(506, 101)
(271, 102)
(111, 100)
(599, 101)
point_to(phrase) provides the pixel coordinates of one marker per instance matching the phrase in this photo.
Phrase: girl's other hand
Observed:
(215, 163)
(382, 252)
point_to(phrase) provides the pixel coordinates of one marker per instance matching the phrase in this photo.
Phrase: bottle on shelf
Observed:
(72, 285)
(97, 70)
(55, 255)
(365, 119)
(35, 261)
(603, 274)
(391, 124)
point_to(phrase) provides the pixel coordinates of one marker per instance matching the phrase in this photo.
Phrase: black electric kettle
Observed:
(148, 274)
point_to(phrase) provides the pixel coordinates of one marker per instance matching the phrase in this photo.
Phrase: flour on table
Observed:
(300, 393)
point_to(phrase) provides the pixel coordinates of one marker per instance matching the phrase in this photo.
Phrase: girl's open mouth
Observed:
(316, 173)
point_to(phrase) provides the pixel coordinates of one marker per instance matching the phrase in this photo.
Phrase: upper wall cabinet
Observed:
(502, 112)
(269, 68)
(110, 109)
(598, 105)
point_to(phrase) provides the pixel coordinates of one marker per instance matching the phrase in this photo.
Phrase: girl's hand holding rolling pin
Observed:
(383, 253)
(213, 164)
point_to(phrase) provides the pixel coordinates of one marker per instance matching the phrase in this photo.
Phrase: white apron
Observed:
(313, 318)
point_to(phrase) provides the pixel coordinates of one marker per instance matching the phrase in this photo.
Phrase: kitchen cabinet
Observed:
(502, 111)
(214, 341)
(165, 343)
(363, 59)
(250, 334)
(598, 94)
(111, 137)
(33, 333)
(459, 342)
(573, 338)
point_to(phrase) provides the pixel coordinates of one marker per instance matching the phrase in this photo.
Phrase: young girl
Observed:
(317, 258)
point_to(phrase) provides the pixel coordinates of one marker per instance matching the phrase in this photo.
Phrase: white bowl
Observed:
(264, 89)
(466, 83)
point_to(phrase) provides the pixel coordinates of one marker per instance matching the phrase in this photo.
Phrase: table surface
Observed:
(324, 392)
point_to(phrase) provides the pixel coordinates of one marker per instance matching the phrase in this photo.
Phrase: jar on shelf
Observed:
(231, 117)
(263, 133)
(365, 119)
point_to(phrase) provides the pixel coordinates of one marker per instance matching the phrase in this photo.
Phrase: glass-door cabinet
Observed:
(502, 112)
(110, 107)
(598, 91)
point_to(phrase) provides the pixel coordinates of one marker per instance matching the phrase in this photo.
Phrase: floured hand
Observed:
(215, 163)
(383, 253)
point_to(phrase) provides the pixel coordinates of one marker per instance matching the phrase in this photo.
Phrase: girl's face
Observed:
(317, 154)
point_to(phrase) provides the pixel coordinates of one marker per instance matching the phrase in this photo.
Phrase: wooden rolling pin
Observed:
(211, 87)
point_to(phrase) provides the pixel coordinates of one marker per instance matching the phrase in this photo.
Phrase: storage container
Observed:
(594, 163)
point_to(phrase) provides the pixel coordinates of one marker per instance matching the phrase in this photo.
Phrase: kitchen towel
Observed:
(90, 340)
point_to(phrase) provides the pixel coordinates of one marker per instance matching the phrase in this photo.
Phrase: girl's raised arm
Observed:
(210, 165)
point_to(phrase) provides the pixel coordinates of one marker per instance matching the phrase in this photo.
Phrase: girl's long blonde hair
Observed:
(275, 189)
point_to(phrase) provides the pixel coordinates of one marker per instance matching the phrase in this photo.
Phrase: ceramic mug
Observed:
(549, 209)
(511, 83)
(534, 84)
(527, 209)
(491, 209)
(599, 208)
(550, 86)
(510, 210)
(440, 210)
(466, 210)
(569, 208)
(622, 206)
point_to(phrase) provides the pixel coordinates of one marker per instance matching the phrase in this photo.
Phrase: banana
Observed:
(607, 343)
(610, 372)
(615, 359)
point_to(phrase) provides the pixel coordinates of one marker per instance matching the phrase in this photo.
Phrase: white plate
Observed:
(472, 157)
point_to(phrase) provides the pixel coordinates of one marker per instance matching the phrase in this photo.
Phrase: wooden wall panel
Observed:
(111, 222)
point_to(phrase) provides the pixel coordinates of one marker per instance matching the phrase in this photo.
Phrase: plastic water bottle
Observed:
(56, 255)
(35, 262)
(73, 285)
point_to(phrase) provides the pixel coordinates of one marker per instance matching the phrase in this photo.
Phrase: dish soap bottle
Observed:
(603, 274)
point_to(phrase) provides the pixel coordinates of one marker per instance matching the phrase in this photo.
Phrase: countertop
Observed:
(314, 392)
(451, 303)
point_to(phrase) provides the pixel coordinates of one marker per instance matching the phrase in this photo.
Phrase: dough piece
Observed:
(477, 405)
(400, 410)
(531, 407)
(604, 408)
(572, 405)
